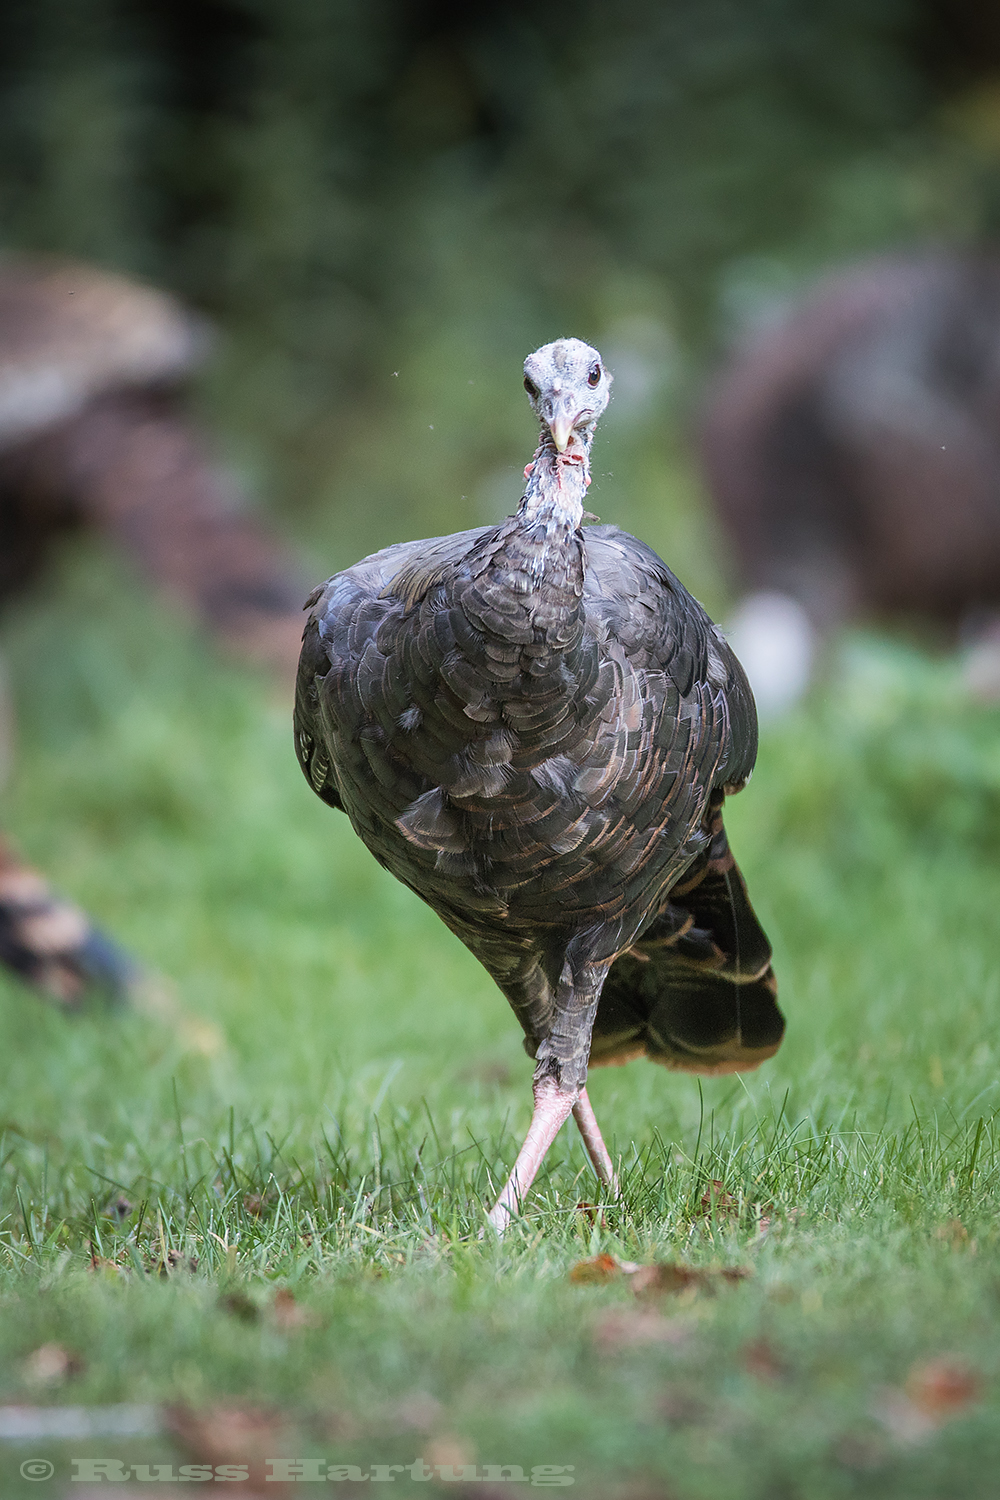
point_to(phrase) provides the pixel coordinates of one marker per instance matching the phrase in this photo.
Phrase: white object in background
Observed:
(775, 641)
(6, 725)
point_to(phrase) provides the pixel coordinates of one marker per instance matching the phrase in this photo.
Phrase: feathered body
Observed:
(852, 444)
(533, 727)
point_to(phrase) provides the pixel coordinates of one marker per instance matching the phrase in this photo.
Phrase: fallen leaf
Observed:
(628, 1328)
(593, 1213)
(51, 1364)
(773, 1222)
(175, 1261)
(231, 1434)
(289, 1314)
(716, 1200)
(942, 1388)
(954, 1233)
(937, 1390)
(258, 1205)
(599, 1268)
(240, 1306)
(119, 1267)
(667, 1277)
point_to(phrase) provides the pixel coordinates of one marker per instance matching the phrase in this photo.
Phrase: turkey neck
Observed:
(551, 508)
(540, 559)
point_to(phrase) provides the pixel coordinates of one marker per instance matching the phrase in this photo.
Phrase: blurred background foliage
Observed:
(385, 205)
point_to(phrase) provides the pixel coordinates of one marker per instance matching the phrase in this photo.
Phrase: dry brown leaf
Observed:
(953, 1232)
(233, 1434)
(593, 1213)
(937, 1391)
(240, 1306)
(942, 1388)
(258, 1205)
(289, 1314)
(661, 1278)
(113, 1268)
(667, 1277)
(628, 1328)
(175, 1261)
(598, 1268)
(716, 1200)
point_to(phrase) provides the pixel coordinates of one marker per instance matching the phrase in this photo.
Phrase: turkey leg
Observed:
(583, 1114)
(561, 1056)
(553, 1107)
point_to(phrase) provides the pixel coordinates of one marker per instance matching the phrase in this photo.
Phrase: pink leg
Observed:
(552, 1109)
(584, 1116)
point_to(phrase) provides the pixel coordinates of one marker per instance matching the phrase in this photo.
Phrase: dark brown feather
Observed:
(545, 778)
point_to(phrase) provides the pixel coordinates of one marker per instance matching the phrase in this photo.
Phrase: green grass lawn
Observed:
(369, 1091)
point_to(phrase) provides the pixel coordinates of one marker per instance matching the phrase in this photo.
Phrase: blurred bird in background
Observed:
(93, 432)
(852, 449)
(535, 728)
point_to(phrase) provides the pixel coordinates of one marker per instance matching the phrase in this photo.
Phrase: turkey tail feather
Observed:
(696, 991)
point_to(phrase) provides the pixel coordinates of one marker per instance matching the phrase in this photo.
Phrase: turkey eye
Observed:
(531, 388)
(594, 375)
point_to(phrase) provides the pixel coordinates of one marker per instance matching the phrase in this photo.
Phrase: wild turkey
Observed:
(534, 729)
(51, 944)
(852, 449)
(92, 432)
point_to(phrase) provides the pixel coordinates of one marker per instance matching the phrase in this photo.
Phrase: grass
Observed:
(369, 1091)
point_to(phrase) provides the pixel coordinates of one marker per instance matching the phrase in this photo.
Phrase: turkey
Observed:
(852, 449)
(52, 945)
(534, 728)
(93, 432)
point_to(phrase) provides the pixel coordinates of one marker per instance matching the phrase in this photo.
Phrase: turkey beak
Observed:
(561, 427)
